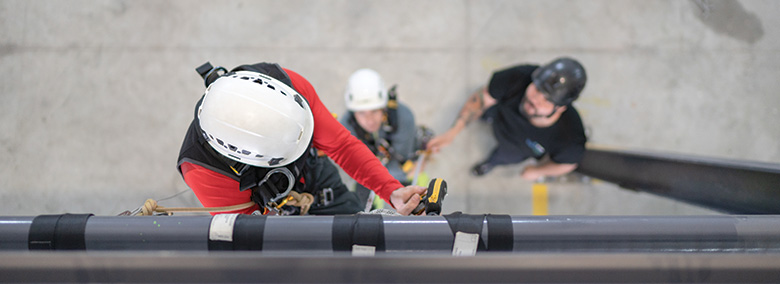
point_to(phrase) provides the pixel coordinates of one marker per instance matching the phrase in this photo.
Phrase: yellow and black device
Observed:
(431, 201)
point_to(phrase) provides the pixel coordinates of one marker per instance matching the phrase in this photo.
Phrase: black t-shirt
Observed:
(564, 141)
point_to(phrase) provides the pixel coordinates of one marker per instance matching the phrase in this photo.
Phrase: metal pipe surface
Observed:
(402, 234)
(245, 267)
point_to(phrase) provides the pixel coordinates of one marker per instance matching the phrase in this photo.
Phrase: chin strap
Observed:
(555, 109)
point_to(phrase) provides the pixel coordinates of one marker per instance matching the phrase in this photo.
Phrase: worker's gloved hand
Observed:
(405, 199)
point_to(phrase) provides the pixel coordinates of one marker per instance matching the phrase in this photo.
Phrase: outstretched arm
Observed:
(477, 103)
(347, 151)
(548, 168)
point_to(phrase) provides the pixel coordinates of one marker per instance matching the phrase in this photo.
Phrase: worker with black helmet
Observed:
(531, 113)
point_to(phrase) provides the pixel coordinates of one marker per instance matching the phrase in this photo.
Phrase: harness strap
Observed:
(392, 110)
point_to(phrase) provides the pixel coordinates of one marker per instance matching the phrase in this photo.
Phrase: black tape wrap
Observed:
(466, 223)
(58, 232)
(500, 235)
(247, 234)
(360, 229)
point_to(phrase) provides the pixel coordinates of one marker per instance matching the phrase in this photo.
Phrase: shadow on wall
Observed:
(729, 18)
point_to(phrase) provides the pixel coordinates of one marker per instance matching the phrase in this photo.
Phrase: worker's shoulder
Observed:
(518, 68)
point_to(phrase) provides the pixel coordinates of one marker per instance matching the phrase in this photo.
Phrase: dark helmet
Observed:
(561, 81)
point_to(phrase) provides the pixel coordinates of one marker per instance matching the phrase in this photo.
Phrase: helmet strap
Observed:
(270, 69)
(531, 116)
(210, 73)
(555, 109)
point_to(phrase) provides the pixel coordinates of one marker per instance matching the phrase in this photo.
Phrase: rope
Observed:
(303, 200)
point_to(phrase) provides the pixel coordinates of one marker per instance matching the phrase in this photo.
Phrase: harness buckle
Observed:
(326, 196)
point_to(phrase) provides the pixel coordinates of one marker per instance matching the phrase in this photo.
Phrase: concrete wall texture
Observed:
(96, 95)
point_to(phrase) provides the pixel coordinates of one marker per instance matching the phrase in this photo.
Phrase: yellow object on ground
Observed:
(539, 195)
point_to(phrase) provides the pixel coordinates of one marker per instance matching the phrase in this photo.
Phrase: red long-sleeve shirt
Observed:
(217, 190)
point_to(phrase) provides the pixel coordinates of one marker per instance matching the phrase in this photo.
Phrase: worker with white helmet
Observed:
(255, 136)
(385, 125)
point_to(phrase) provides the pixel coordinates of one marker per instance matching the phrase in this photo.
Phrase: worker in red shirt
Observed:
(255, 137)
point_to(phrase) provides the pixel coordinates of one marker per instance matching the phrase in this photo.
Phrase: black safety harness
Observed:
(270, 186)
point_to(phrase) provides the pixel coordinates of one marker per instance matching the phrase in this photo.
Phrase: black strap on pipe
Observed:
(471, 224)
(501, 234)
(248, 233)
(41, 234)
(58, 232)
(360, 229)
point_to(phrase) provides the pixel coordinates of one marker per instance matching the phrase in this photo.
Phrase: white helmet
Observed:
(257, 120)
(365, 91)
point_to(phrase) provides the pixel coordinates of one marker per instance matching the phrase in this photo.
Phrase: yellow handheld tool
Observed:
(431, 201)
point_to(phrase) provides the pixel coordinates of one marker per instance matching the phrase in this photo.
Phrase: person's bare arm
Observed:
(548, 168)
(476, 104)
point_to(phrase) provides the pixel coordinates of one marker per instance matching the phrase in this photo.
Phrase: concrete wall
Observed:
(95, 96)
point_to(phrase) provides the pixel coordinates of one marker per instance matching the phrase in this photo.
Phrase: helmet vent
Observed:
(299, 101)
(259, 89)
(275, 161)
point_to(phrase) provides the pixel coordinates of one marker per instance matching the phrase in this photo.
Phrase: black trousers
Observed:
(505, 155)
